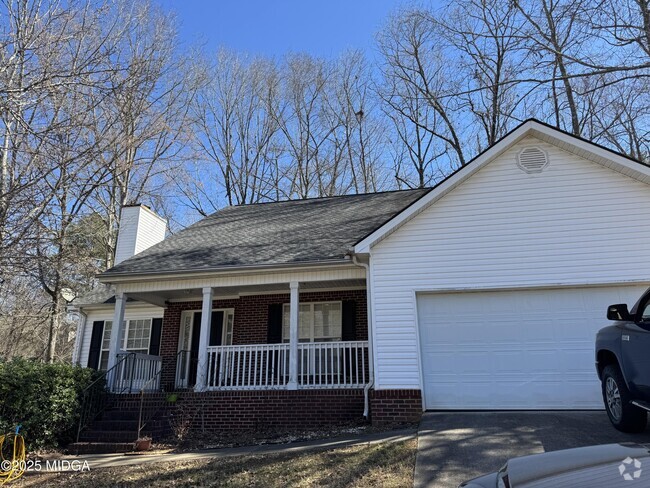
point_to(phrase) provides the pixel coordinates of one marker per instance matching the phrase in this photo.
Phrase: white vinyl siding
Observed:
(132, 313)
(140, 229)
(231, 283)
(576, 223)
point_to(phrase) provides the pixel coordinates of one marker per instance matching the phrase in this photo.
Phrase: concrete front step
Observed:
(100, 447)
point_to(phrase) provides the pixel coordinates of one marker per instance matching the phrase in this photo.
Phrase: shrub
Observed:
(44, 398)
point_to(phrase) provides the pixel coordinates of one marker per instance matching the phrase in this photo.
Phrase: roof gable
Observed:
(567, 142)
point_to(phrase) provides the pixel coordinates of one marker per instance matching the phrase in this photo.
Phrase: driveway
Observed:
(455, 446)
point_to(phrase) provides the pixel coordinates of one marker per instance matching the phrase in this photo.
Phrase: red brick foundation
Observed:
(230, 412)
(395, 406)
(245, 411)
(278, 410)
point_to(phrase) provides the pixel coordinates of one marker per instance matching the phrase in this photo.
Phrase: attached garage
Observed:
(487, 292)
(527, 349)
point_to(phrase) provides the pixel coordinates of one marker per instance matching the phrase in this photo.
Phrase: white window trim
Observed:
(190, 313)
(311, 328)
(127, 324)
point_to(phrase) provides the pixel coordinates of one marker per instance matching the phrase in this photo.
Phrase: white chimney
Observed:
(140, 228)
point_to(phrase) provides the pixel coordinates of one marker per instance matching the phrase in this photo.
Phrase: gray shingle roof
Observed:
(98, 296)
(289, 232)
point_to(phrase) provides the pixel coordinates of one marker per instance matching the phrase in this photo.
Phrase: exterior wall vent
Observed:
(532, 160)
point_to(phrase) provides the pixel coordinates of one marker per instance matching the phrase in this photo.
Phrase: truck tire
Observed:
(618, 402)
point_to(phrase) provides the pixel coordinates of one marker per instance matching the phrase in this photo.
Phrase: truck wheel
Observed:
(623, 415)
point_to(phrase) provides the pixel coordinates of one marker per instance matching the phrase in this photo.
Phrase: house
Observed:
(484, 292)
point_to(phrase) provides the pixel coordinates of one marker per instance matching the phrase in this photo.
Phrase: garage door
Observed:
(529, 349)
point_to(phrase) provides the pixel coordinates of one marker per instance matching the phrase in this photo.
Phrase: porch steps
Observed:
(116, 430)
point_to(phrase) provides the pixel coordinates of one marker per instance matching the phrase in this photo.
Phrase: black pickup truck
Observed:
(623, 364)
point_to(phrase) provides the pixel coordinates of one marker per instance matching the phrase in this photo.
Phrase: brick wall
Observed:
(278, 410)
(242, 411)
(250, 320)
(395, 406)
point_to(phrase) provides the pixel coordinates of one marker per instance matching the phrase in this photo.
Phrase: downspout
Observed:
(371, 360)
(79, 339)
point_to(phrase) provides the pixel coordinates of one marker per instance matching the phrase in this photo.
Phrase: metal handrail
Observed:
(157, 376)
(141, 423)
(183, 356)
(93, 402)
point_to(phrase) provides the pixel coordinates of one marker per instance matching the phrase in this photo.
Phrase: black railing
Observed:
(136, 370)
(186, 369)
(131, 372)
(95, 396)
(148, 386)
(152, 384)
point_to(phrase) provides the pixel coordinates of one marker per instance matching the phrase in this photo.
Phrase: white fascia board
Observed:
(116, 279)
(598, 153)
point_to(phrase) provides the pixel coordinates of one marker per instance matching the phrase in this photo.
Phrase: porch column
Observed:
(293, 335)
(204, 336)
(114, 346)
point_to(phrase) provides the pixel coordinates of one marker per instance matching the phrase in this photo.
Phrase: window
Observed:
(221, 328)
(318, 322)
(645, 315)
(227, 328)
(134, 337)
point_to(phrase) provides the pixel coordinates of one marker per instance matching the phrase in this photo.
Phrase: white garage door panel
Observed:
(514, 349)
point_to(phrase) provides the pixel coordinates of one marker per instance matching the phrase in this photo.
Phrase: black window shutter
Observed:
(274, 332)
(349, 321)
(156, 332)
(216, 329)
(95, 350)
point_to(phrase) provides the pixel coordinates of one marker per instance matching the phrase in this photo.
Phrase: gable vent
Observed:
(532, 160)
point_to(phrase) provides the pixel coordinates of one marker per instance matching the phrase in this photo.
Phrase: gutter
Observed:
(371, 359)
(107, 276)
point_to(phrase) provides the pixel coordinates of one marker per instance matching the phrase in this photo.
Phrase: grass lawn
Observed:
(386, 465)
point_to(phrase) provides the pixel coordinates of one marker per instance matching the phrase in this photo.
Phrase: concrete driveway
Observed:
(455, 446)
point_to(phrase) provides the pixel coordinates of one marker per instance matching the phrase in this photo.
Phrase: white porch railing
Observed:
(134, 371)
(266, 366)
(332, 364)
(248, 367)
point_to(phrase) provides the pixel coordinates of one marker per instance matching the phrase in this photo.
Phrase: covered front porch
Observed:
(293, 335)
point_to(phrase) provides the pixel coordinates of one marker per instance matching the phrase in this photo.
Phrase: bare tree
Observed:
(482, 42)
(361, 134)
(234, 128)
(554, 35)
(143, 116)
(307, 125)
(77, 176)
(417, 89)
(46, 48)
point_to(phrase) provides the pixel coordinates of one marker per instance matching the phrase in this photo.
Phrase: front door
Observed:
(220, 334)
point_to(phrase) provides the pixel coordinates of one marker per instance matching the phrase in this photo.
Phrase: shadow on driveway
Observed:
(456, 446)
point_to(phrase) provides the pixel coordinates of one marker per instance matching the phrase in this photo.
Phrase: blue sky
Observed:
(275, 27)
